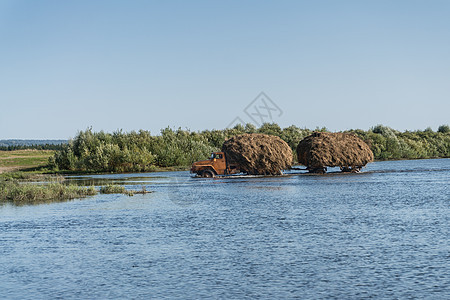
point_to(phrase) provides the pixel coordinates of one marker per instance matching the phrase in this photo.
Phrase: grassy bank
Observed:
(22, 193)
(173, 150)
(24, 159)
(119, 189)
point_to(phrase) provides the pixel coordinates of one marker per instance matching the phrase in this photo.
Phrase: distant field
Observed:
(23, 159)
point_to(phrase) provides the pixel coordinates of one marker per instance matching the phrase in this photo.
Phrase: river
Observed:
(382, 234)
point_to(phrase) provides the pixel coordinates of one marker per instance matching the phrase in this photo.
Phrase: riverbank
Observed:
(28, 162)
(124, 152)
(24, 160)
(23, 193)
(36, 187)
(92, 152)
(52, 189)
(33, 165)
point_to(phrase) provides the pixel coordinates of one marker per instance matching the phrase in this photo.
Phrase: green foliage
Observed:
(444, 129)
(20, 193)
(270, 129)
(140, 151)
(13, 145)
(30, 176)
(32, 147)
(105, 152)
(182, 147)
(113, 189)
(387, 143)
(293, 135)
(119, 189)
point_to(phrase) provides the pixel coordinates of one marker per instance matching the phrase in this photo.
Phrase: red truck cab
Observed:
(217, 164)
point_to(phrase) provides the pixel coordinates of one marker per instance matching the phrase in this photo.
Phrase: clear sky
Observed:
(69, 65)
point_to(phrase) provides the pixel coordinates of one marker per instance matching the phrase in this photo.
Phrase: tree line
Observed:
(15, 144)
(139, 151)
(32, 147)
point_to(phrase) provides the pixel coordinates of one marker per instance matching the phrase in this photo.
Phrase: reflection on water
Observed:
(105, 179)
(382, 233)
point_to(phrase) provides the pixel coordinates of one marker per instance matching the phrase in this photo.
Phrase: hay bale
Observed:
(258, 154)
(324, 149)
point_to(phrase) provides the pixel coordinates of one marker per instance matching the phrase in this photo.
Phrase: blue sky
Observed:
(68, 65)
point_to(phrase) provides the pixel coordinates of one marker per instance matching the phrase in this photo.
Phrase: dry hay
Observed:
(324, 149)
(258, 154)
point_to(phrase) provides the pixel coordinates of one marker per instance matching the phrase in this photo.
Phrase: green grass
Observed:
(113, 189)
(24, 159)
(25, 188)
(27, 153)
(19, 192)
(119, 189)
(30, 176)
(22, 193)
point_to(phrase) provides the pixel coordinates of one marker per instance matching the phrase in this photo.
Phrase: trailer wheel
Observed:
(207, 174)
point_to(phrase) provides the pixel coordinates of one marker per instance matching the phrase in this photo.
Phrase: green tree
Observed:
(444, 129)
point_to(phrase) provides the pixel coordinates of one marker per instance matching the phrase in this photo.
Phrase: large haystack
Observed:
(258, 154)
(324, 149)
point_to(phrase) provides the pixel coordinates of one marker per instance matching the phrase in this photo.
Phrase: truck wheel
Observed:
(207, 174)
(322, 170)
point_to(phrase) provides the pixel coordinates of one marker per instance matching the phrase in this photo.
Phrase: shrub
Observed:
(444, 129)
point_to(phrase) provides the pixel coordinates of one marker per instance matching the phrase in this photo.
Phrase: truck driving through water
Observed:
(217, 164)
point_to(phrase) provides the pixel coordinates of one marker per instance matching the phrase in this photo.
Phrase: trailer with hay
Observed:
(325, 149)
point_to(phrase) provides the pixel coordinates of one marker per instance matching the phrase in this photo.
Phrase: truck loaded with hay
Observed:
(252, 154)
(261, 154)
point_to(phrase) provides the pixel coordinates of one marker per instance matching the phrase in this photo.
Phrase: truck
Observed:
(217, 164)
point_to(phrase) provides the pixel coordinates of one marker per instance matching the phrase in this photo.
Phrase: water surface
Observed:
(382, 233)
